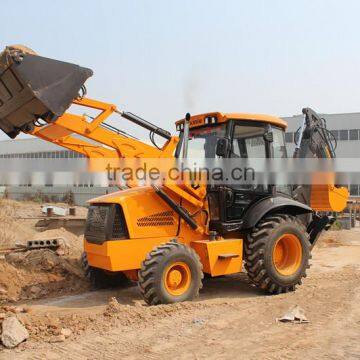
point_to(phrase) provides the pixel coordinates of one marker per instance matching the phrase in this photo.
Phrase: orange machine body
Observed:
(150, 222)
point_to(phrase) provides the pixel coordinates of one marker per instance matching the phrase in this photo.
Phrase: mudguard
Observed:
(273, 204)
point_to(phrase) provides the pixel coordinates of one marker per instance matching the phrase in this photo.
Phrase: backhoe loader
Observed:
(167, 236)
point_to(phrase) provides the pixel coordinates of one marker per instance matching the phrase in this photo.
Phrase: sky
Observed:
(161, 58)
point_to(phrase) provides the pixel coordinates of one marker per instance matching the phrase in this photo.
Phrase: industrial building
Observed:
(81, 190)
(34, 148)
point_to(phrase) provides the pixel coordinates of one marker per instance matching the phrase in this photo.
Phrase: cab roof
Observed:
(218, 117)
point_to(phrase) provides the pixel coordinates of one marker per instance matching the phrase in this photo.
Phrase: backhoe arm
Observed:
(314, 140)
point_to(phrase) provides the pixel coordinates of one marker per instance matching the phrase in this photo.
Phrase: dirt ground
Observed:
(37, 273)
(231, 319)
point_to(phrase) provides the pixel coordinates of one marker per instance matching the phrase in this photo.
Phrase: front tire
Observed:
(101, 279)
(277, 253)
(171, 273)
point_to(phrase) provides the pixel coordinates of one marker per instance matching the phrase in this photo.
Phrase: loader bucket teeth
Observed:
(34, 87)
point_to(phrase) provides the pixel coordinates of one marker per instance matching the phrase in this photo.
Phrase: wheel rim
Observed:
(177, 278)
(287, 254)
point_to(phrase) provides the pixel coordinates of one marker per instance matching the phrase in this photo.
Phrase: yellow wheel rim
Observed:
(287, 254)
(177, 278)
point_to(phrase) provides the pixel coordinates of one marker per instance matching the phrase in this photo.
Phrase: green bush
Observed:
(336, 226)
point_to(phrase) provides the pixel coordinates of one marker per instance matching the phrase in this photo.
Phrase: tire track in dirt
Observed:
(228, 327)
(231, 319)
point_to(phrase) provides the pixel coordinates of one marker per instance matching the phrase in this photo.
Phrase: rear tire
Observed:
(277, 253)
(171, 273)
(101, 279)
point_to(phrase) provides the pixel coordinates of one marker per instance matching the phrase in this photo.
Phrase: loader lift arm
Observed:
(113, 143)
(117, 143)
(35, 93)
(36, 104)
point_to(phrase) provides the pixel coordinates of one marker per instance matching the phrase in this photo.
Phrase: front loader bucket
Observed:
(35, 87)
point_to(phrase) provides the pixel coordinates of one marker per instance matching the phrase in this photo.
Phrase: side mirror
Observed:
(222, 147)
(269, 136)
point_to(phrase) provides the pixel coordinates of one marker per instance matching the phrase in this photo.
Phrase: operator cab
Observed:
(234, 136)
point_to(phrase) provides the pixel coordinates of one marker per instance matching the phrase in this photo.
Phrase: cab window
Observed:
(202, 141)
(248, 142)
(279, 147)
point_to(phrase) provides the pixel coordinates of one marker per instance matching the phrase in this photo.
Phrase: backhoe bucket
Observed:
(36, 87)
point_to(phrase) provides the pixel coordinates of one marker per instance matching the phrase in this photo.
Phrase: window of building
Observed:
(289, 137)
(336, 134)
(354, 134)
(344, 134)
(354, 190)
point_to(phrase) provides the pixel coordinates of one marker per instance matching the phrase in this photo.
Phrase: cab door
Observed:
(247, 142)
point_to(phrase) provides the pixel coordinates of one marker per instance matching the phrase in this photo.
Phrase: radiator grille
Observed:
(105, 222)
(95, 230)
(165, 218)
(119, 230)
